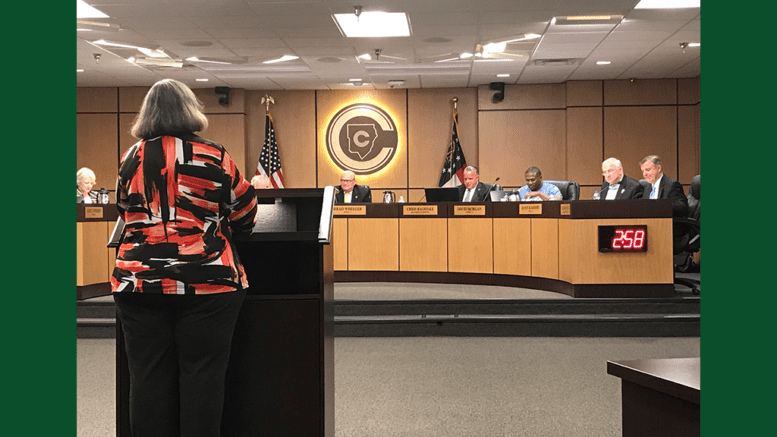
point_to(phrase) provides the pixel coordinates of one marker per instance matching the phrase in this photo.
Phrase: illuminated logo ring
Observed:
(362, 138)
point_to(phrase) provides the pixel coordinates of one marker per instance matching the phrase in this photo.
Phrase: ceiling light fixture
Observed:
(603, 62)
(502, 75)
(208, 60)
(283, 58)
(373, 24)
(586, 20)
(668, 4)
(90, 25)
(102, 42)
(201, 80)
(365, 56)
(84, 10)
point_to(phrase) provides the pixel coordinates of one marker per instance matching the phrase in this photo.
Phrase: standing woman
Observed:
(178, 282)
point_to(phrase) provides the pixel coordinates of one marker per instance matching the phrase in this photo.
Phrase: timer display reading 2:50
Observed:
(627, 238)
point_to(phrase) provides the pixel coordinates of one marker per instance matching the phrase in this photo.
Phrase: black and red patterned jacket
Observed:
(179, 196)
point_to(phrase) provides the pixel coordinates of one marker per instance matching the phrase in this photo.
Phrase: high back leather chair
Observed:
(570, 190)
(689, 241)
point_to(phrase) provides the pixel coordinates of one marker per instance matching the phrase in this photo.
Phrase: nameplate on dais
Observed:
(566, 209)
(419, 210)
(350, 210)
(93, 212)
(469, 210)
(530, 208)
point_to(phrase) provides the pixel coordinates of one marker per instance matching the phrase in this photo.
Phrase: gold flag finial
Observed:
(266, 100)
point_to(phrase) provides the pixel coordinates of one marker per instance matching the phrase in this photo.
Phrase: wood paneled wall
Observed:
(565, 129)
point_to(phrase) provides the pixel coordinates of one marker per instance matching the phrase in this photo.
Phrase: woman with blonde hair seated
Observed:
(85, 180)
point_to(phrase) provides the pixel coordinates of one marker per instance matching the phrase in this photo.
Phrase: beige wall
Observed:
(565, 129)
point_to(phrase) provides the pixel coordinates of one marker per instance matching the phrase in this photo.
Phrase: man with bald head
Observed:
(349, 192)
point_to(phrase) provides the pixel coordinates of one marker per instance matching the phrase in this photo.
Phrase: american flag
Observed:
(453, 169)
(269, 161)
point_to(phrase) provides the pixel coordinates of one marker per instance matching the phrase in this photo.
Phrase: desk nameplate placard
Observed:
(419, 210)
(566, 209)
(530, 208)
(350, 210)
(469, 210)
(93, 212)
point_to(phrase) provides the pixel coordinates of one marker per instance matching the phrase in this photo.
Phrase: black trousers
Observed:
(177, 349)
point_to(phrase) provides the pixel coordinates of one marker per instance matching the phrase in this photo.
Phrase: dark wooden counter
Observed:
(660, 397)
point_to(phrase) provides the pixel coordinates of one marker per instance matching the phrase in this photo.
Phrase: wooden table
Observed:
(660, 397)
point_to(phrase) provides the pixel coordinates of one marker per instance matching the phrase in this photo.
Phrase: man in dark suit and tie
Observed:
(473, 190)
(618, 186)
(663, 187)
(349, 192)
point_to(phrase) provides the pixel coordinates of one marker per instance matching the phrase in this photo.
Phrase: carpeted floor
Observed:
(442, 386)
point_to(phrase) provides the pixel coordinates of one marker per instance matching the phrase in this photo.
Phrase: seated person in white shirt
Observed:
(349, 192)
(664, 187)
(618, 186)
(473, 190)
(537, 190)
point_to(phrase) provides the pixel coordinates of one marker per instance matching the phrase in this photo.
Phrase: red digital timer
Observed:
(626, 238)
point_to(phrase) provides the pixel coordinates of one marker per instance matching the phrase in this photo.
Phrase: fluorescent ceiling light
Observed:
(354, 80)
(102, 42)
(201, 80)
(494, 47)
(603, 62)
(502, 75)
(365, 56)
(83, 10)
(668, 4)
(373, 24)
(694, 44)
(207, 60)
(283, 58)
(586, 19)
(79, 70)
(103, 26)
(465, 56)
(153, 53)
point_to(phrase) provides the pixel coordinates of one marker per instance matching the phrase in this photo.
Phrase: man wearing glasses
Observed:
(349, 192)
(618, 186)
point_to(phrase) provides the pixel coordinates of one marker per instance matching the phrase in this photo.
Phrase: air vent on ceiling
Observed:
(555, 62)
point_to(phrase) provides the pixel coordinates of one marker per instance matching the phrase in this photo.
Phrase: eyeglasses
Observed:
(347, 180)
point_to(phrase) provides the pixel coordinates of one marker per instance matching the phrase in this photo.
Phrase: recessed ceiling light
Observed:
(79, 70)
(201, 80)
(102, 42)
(365, 56)
(354, 80)
(502, 75)
(283, 58)
(465, 55)
(603, 62)
(668, 4)
(694, 44)
(373, 24)
(208, 60)
(83, 10)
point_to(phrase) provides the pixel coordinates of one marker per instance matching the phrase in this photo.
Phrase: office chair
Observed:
(688, 241)
(570, 190)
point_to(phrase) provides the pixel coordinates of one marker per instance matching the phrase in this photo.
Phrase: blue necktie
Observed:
(653, 193)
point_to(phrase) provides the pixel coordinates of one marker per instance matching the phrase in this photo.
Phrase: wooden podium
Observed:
(280, 379)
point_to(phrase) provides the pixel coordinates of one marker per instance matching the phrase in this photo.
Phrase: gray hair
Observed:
(82, 174)
(652, 158)
(170, 107)
(613, 161)
(472, 168)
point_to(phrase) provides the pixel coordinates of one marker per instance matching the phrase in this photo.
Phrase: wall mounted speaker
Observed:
(224, 91)
(499, 87)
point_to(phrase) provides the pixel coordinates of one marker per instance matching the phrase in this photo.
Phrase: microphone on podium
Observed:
(494, 186)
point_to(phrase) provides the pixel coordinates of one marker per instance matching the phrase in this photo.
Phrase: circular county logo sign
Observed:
(362, 138)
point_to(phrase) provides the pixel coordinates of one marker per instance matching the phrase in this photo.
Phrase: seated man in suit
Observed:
(618, 186)
(537, 190)
(349, 192)
(473, 190)
(664, 187)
